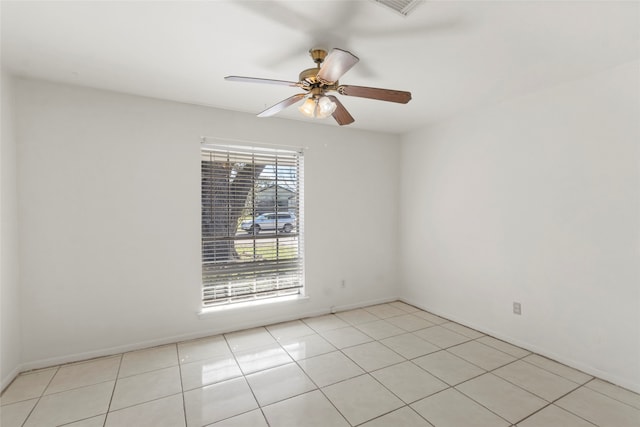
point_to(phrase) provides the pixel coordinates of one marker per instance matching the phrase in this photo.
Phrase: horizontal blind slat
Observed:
(239, 184)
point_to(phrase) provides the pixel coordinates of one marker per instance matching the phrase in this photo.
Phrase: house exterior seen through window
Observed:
(251, 224)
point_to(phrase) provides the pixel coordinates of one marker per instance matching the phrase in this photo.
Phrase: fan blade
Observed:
(375, 93)
(275, 109)
(335, 65)
(256, 80)
(341, 114)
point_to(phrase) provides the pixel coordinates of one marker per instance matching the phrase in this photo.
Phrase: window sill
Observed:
(250, 304)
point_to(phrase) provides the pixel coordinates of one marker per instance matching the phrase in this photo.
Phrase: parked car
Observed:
(283, 221)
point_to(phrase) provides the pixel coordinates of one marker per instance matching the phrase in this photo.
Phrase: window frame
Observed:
(270, 279)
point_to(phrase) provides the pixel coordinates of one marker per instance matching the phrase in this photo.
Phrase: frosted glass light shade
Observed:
(320, 107)
(325, 107)
(308, 108)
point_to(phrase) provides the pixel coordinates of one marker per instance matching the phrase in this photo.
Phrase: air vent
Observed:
(401, 6)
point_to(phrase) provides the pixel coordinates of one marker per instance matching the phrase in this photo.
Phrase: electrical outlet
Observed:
(517, 308)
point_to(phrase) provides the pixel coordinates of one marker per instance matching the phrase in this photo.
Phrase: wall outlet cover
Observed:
(517, 308)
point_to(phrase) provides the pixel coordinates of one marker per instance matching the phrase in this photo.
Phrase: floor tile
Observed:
(450, 408)
(145, 387)
(361, 399)
(408, 381)
(165, 412)
(462, 330)
(501, 397)
(330, 368)
(442, 337)
(436, 320)
(384, 311)
(209, 371)
(372, 356)
(503, 346)
(14, 414)
(137, 362)
(308, 346)
(346, 337)
(294, 329)
(403, 417)
(554, 416)
(72, 405)
(536, 380)
(85, 373)
(248, 339)
(558, 368)
(309, 410)
(325, 323)
(356, 317)
(253, 419)
(615, 392)
(600, 409)
(409, 345)
(201, 349)
(380, 329)
(481, 355)
(404, 306)
(409, 322)
(27, 386)
(283, 382)
(89, 422)
(449, 368)
(386, 365)
(260, 358)
(217, 402)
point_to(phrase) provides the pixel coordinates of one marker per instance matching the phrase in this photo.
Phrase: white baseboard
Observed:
(8, 379)
(590, 370)
(70, 358)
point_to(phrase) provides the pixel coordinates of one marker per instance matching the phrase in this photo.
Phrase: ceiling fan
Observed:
(317, 82)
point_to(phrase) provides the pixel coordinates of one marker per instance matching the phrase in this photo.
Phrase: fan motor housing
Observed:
(309, 75)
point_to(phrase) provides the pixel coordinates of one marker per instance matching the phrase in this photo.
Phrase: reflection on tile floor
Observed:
(385, 365)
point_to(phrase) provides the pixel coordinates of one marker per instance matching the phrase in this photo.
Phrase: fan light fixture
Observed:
(318, 107)
(316, 82)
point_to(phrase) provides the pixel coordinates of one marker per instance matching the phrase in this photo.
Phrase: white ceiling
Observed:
(452, 55)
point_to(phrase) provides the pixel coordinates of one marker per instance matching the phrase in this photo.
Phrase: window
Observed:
(251, 224)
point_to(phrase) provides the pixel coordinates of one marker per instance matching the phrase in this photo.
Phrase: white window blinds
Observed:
(251, 224)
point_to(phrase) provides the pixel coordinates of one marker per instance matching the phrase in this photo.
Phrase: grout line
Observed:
(184, 403)
(578, 386)
(141, 403)
(244, 377)
(318, 388)
(516, 359)
(339, 350)
(549, 403)
(319, 333)
(40, 396)
(490, 371)
(609, 396)
(367, 372)
(486, 371)
(472, 399)
(113, 392)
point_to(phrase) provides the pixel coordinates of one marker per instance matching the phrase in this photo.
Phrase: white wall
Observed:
(10, 344)
(534, 200)
(110, 219)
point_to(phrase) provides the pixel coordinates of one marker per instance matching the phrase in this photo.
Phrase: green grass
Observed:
(266, 251)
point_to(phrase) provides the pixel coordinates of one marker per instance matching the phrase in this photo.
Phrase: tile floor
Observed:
(385, 365)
